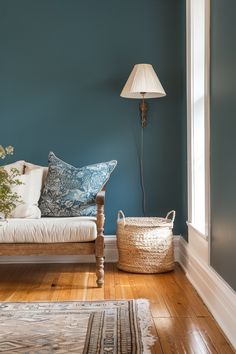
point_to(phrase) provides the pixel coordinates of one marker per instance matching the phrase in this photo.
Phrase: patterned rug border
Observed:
(139, 306)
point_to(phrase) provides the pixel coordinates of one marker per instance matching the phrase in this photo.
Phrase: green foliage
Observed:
(8, 198)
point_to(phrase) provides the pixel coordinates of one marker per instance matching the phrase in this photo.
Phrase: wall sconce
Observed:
(143, 83)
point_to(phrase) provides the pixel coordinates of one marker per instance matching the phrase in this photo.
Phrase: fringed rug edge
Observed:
(146, 323)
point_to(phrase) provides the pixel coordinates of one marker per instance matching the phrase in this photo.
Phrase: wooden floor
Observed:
(181, 321)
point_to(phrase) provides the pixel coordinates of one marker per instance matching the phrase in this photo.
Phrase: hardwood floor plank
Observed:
(213, 335)
(109, 285)
(159, 308)
(80, 280)
(181, 280)
(125, 290)
(177, 302)
(178, 335)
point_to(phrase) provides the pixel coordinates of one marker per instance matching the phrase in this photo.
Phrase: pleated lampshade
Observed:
(143, 80)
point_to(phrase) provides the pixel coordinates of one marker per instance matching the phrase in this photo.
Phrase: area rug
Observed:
(109, 327)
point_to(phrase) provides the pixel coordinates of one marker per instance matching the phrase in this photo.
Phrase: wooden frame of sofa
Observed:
(95, 247)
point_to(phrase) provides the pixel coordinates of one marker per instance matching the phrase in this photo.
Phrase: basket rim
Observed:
(146, 222)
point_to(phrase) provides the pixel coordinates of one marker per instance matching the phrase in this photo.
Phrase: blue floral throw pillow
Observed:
(71, 191)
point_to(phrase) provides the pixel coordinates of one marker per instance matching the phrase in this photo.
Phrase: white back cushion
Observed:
(29, 192)
(30, 166)
(19, 165)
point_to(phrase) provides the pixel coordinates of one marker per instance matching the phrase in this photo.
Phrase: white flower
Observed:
(2, 152)
(9, 150)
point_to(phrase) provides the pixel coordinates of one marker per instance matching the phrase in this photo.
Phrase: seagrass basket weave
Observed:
(145, 244)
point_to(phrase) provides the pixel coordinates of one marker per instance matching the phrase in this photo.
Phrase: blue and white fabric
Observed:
(71, 191)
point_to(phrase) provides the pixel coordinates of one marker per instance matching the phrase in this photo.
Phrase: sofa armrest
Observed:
(100, 201)
(100, 198)
(99, 243)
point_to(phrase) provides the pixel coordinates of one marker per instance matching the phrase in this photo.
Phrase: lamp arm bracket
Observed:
(143, 108)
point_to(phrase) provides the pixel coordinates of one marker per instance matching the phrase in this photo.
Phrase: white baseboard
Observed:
(218, 296)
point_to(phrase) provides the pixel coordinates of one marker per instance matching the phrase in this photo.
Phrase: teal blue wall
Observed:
(223, 142)
(62, 67)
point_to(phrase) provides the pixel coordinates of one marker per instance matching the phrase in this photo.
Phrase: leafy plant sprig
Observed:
(8, 150)
(8, 198)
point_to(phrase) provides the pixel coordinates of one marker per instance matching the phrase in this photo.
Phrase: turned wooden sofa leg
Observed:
(100, 271)
(99, 243)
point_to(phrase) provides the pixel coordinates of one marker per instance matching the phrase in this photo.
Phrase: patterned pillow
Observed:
(71, 191)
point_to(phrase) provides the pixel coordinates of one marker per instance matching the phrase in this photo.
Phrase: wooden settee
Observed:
(95, 247)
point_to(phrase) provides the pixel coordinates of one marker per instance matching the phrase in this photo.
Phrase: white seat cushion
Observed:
(49, 230)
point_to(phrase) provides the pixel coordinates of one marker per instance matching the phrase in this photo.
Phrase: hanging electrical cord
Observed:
(141, 165)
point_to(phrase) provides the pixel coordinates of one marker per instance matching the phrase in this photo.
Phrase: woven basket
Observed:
(145, 244)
